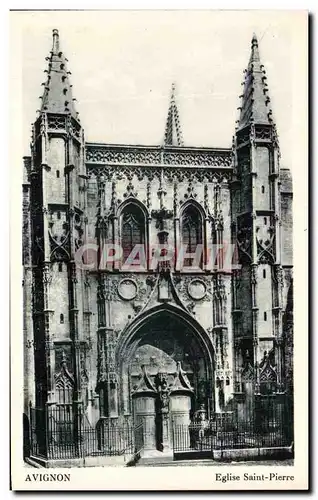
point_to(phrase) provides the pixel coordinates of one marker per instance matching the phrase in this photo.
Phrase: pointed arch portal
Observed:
(165, 343)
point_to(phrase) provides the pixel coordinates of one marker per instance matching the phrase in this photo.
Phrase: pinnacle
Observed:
(254, 39)
(56, 42)
(254, 50)
(57, 95)
(173, 133)
(254, 100)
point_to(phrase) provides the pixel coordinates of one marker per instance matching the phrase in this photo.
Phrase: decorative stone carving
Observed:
(206, 198)
(237, 278)
(130, 190)
(175, 198)
(74, 128)
(106, 346)
(47, 274)
(151, 281)
(29, 344)
(161, 216)
(268, 374)
(148, 201)
(248, 373)
(164, 288)
(84, 374)
(265, 248)
(136, 307)
(164, 391)
(111, 347)
(219, 300)
(59, 241)
(254, 275)
(268, 379)
(64, 379)
(114, 200)
(279, 275)
(181, 382)
(145, 384)
(190, 193)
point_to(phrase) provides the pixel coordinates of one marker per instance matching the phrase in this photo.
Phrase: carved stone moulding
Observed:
(127, 289)
(197, 289)
(105, 154)
(56, 122)
(263, 132)
(172, 173)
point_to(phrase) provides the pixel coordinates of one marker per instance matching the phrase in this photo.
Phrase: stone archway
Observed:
(165, 361)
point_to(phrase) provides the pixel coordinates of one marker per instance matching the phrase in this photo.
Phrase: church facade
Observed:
(157, 279)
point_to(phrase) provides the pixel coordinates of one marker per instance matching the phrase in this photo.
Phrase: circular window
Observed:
(127, 289)
(197, 289)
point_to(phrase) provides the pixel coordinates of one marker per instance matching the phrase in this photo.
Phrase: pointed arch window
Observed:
(132, 230)
(192, 233)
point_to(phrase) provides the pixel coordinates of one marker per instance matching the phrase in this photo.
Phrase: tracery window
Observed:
(191, 233)
(132, 229)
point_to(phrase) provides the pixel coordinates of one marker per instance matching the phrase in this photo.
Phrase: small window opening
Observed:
(263, 189)
(61, 318)
(264, 273)
(265, 221)
(58, 174)
(265, 316)
(58, 215)
(60, 267)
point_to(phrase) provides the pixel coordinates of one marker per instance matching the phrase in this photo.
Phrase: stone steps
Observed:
(173, 463)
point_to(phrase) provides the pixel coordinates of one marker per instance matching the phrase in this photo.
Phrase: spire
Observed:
(255, 101)
(173, 134)
(57, 95)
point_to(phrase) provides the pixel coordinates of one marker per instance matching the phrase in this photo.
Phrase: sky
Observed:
(124, 62)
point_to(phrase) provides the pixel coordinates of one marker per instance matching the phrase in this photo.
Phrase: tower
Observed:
(256, 222)
(58, 200)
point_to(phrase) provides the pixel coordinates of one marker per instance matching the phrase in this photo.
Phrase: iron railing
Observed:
(64, 433)
(225, 431)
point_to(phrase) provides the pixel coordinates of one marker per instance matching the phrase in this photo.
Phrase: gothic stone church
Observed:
(165, 339)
